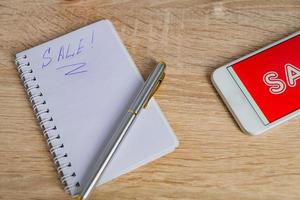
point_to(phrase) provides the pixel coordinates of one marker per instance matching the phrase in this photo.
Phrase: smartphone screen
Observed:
(270, 80)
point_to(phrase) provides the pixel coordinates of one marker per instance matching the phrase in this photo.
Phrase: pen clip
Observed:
(155, 89)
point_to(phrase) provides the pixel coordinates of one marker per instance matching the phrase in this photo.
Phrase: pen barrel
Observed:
(148, 88)
(108, 152)
(118, 135)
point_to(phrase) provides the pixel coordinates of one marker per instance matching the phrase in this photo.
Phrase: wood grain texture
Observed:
(215, 160)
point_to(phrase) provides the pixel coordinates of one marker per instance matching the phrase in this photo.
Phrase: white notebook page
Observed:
(88, 81)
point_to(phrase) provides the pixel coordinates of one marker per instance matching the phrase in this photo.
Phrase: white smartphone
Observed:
(262, 89)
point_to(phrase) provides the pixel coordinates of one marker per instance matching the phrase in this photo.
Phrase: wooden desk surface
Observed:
(215, 160)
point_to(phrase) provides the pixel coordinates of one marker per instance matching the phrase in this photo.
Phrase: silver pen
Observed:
(141, 101)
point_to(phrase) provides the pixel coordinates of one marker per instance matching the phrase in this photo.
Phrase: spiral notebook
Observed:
(80, 85)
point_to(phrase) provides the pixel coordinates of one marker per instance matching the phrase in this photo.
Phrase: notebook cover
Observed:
(87, 80)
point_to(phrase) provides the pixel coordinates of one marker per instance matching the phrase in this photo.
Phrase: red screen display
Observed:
(272, 78)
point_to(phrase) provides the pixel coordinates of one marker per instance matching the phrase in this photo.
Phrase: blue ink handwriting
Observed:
(65, 53)
(75, 68)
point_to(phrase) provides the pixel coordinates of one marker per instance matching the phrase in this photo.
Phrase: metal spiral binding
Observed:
(43, 114)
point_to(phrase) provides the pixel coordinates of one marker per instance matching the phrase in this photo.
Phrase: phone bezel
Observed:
(236, 101)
